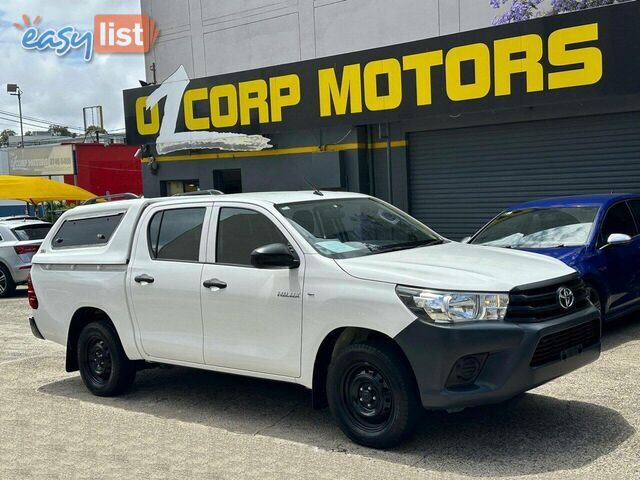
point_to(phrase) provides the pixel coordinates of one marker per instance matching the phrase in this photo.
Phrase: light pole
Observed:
(14, 89)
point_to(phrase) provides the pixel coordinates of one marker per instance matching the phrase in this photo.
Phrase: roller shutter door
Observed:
(459, 179)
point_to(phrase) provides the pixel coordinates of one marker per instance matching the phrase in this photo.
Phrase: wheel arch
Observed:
(332, 343)
(82, 317)
(6, 267)
(600, 287)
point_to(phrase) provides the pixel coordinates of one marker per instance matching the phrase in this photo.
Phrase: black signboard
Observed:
(573, 57)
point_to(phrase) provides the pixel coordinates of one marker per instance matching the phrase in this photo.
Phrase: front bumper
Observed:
(433, 350)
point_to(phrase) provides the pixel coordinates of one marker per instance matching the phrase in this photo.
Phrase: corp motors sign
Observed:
(112, 33)
(562, 59)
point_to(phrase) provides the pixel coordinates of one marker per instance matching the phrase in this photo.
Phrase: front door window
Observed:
(240, 232)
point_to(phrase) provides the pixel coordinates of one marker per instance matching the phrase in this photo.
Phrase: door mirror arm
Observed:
(275, 255)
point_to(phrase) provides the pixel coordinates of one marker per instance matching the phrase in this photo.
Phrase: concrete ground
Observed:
(187, 424)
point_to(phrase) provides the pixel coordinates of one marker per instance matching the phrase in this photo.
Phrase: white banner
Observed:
(42, 161)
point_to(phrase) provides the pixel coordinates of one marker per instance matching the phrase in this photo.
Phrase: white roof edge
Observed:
(267, 197)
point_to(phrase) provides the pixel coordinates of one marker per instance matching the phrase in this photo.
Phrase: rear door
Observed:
(164, 281)
(254, 322)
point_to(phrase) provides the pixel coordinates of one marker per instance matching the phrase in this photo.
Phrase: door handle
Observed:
(214, 283)
(144, 278)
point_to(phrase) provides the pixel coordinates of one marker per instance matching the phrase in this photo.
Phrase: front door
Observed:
(252, 317)
(165, 282)
(620, 261)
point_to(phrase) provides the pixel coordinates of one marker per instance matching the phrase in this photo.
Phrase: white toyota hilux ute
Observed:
(340, 292)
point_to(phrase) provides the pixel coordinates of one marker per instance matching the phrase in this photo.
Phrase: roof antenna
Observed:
(316, 190)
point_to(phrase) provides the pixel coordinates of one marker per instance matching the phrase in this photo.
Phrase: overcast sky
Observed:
(57, 88)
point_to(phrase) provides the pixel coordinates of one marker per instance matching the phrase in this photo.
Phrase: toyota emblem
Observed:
(566, 298)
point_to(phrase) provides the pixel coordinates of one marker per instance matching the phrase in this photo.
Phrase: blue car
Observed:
(598, 235)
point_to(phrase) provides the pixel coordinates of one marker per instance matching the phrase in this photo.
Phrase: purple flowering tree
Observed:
(518, 10)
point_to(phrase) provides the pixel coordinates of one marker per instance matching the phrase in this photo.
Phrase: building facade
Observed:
(105, 169)
(100, 168)
(425, 104)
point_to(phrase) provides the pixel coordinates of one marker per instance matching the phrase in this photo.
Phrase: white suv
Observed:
(20, 238)
(339, 292)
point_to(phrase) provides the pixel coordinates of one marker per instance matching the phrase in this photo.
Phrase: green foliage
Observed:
(53, 210)
(4, 137)
(60, 131)
(91, 129)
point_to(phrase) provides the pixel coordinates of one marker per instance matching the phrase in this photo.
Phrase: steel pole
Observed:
(20, 110)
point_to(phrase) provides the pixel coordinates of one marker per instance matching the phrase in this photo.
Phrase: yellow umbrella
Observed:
(38, 189)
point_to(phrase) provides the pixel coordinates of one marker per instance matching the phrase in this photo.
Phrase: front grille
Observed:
(539, 302)
(561, 345)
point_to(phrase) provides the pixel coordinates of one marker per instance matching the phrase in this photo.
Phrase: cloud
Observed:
(57, 88)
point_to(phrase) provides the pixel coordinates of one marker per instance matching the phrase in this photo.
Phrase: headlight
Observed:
(454, 307)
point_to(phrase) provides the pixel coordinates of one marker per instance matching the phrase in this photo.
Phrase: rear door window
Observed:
(86, 232)
(176, 234)
(32, 232)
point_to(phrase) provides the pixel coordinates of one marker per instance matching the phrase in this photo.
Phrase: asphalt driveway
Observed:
(181, 423)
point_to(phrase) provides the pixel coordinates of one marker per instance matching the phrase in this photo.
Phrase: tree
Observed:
(91, 129)
(518, 10)
(4, 137)
(59, 131)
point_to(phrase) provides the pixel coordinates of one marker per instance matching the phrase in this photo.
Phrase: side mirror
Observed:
(274, 255)
(618, 239)
(465, 240)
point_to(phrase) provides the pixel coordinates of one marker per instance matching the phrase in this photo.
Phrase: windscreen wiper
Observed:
(405, 245)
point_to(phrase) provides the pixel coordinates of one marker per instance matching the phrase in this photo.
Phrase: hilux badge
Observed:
(289, 294)
(566, 298)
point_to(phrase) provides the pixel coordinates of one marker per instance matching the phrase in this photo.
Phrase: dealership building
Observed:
(419, 102)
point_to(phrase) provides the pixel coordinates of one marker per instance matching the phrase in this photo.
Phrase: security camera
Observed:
(143, 151)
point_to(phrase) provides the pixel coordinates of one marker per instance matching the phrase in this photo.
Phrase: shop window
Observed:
(228, 180)
(172, 187)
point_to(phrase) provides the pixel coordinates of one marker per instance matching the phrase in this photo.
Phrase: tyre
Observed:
(104, 367)
(7, 287)
(373, 395)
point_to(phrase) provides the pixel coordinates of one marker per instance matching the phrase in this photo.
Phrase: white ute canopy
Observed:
(113, 249)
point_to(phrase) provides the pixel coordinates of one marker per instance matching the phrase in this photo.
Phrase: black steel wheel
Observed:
(7, 287)
(98, 359)
(372, 394)
(104, 367)
(367, 396)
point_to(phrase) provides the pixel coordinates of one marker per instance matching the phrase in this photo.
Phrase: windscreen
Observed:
(356, 226)
(539, 228)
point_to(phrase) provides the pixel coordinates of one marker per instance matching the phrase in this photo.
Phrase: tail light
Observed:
(31, 294)
(22, 249)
